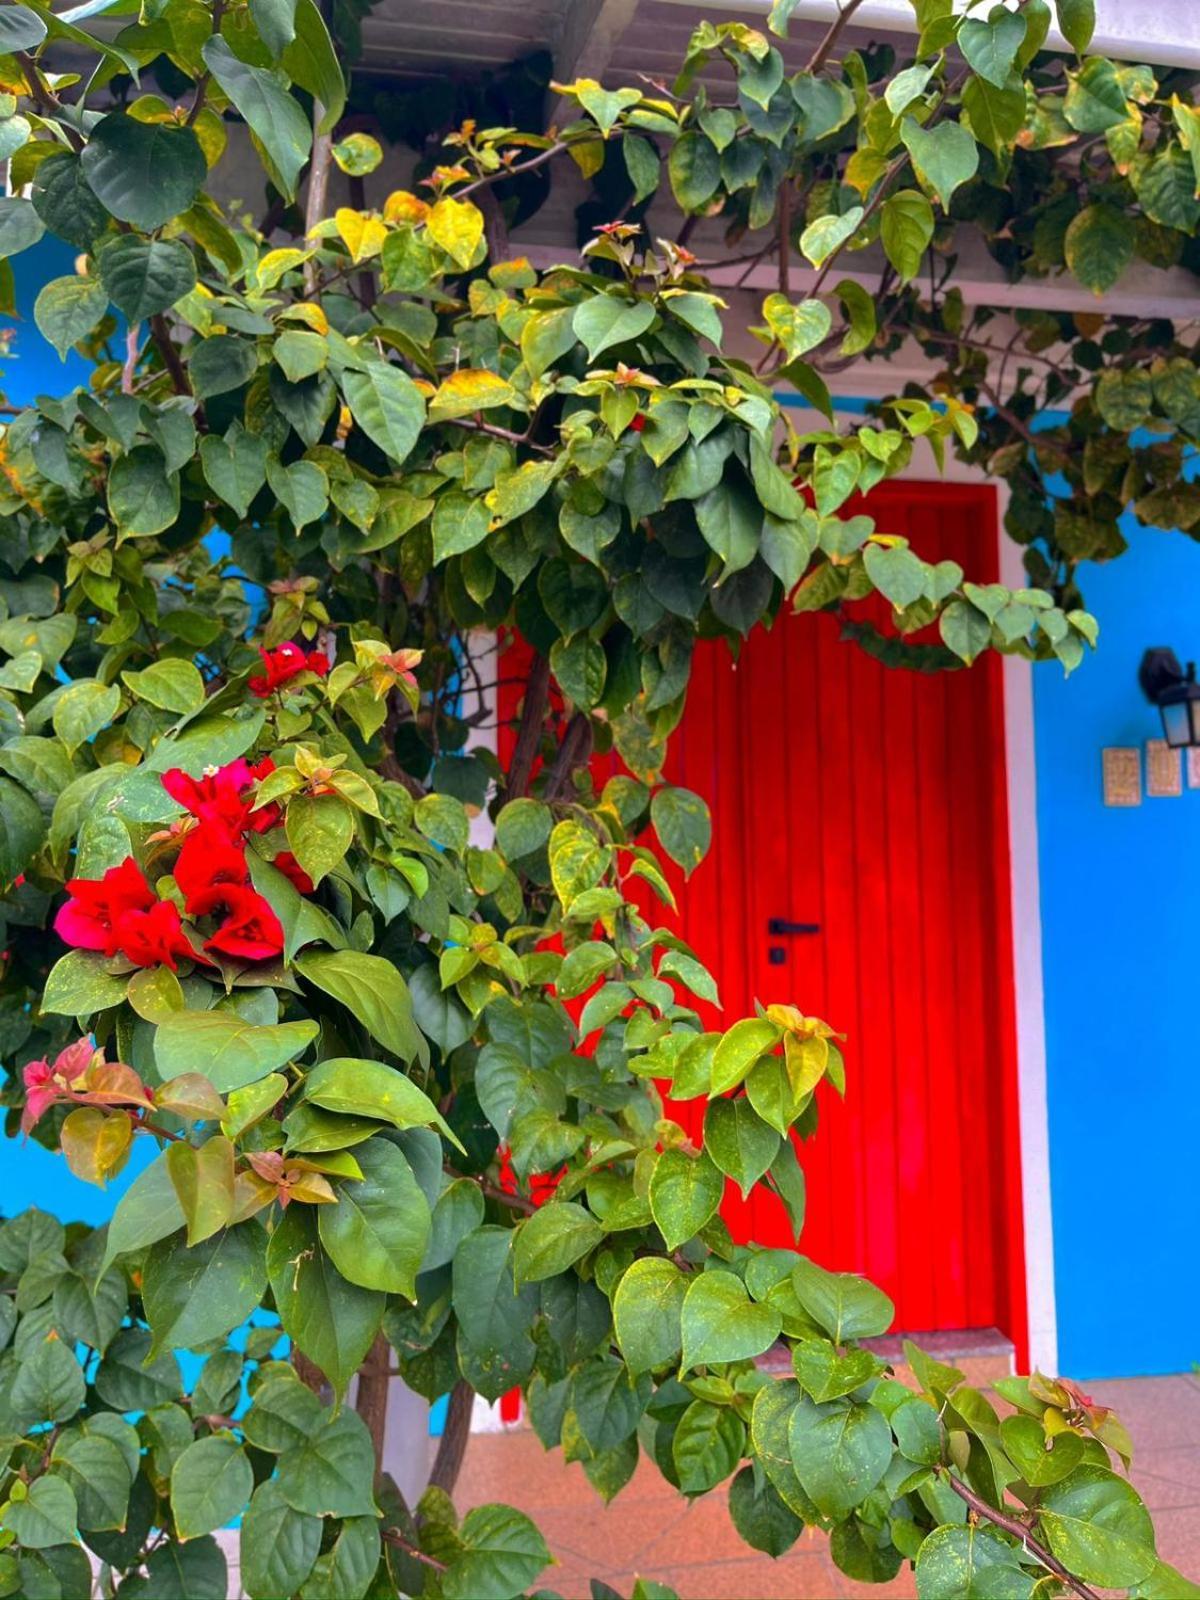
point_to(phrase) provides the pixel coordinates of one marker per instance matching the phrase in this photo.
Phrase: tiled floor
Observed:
(648, 1530)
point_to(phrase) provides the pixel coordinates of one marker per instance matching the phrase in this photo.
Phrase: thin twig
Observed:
(391, 1536)
(513, 172)
(45, 96)
(529, 734)
(826, 47)
(1020, 1530)
(202, 82)
(161, 335)
(495, 432)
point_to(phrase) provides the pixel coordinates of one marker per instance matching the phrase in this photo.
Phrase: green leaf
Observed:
(144, 173)
(501, 1555)
(642, 165)
(172, 685)
(996, 115)
(64, 201)
(906, 228)
(523, 827)
(763, 1519)
(47, 1386)
(22, 830)
(311, 61)
(494, 1316)
(826, 235)
(843, 1304)
(1039, 1460)
(647, 1310)
(228, 1050)
(798, 328)
(46, 1517)
(581, 969)
(683, 825)
(388, 407)
(320, 829)
(373, 991)
(67, 309)
(278, 1545)
(192, 1571)
(149, 1210)
(20, 29)
(722, 1323)
(354, 1087)
(444, 820)
(1076, 23)
(840, 1452)
(145, 276)
(79, 986)
(896, 572)
(964, 630)
(769, 1420)
(706, 1446)
(333, 1322)
(210, 1484)
(301, 488)
(685, 1192)
(261, 98)
(84, 709)
(826, 1375)
(694, 168)
(970, 1563)
(20, 223)
(739, 1141)
(944, 156)
(330, 1473)
(553, 1239)
(1099, 245)
(217, 365)
(739, 1049)
(206, 1291)
(235, 466)
(142, 497)
(1097, 1526)
(608, 319)
(98, 1470)
(276, 23)
(377, 1233)
(990, 46)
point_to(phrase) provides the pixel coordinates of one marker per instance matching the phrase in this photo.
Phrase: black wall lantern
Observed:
(1176, 694)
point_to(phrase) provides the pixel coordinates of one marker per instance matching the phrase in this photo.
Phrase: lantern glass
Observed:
(1194, 708)
(1177, 724)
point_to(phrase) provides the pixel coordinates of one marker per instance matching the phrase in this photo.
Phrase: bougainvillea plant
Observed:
(251, 931)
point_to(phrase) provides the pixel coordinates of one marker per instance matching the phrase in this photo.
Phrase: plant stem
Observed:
(161, 335)
(512, 172)
(826, 47)
(574, 752)
(371, 1397)
(1020, 1530)
(391, 1536)
(529, 733)
(455, 1437)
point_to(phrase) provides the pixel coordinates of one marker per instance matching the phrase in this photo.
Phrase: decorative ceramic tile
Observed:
(1164, 770)
(1122, 776)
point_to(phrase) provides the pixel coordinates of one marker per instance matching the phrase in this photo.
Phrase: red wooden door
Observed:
(871, 801)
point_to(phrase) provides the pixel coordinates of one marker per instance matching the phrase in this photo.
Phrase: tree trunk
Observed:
(455, 1438)
(371, 1396)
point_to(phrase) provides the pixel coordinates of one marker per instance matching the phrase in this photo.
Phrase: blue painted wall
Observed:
(1120, 903)
(32, 1176)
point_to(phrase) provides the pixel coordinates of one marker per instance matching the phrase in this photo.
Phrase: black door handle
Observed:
(781, 928)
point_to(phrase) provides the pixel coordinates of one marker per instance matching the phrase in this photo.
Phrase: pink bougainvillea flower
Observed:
(155, 938)
(89, 919)
(282, 665)
(81, 1075)
(249, 930)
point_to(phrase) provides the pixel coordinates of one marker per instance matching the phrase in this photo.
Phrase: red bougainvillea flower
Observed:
(637, 421)
(209, 856)
(80, 1074)
(155, 938)
(223, 795)
(250, 930)
(284, 664)
(291, 868)
(89, 919)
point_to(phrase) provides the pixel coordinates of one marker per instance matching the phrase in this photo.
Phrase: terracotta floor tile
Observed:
(790, 1578)
(1178, 1534)
(1160, 1413)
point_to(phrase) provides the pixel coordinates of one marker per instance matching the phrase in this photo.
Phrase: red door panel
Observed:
(872, 802)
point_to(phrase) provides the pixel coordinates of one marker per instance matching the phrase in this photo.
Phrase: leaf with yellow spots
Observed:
(457, 226)
(400, 206)
(362, 235)
(276, 262)
(471, 389)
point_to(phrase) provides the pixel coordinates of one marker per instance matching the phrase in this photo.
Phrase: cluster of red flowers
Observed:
(120, 914)
(282, 665)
